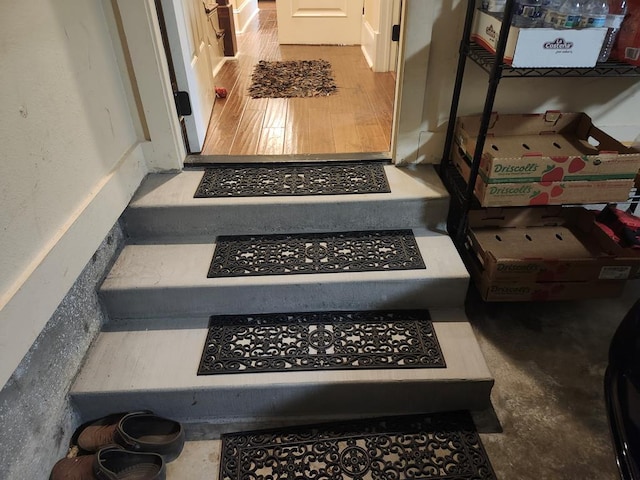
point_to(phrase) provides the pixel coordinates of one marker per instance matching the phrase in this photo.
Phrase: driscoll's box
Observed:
(540, 47)
(492, 291)
(542, 192)
(542, 245)
(549, 147)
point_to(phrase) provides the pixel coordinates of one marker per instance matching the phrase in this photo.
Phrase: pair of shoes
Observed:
(111, 463)
(132, 446)
(141, 432)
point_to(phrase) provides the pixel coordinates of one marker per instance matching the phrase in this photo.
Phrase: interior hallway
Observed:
(355, 119)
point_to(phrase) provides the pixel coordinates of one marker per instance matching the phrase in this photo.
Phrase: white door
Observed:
(319, 22)
(186, 23)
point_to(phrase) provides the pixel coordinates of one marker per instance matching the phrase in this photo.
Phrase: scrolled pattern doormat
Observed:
(419, 447)
(368, 251)
(297, 78)
(286, 180)
(282, 342)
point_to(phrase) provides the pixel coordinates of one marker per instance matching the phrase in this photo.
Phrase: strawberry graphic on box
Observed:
(576, 165)
(552, 174)
(539, 198)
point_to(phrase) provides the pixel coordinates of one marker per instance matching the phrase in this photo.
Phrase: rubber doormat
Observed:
(384, 250)
(298, 78)
(282, 342)
(418, 447)
(284, 180)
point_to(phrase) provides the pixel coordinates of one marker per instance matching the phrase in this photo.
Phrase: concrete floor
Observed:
(548, 360)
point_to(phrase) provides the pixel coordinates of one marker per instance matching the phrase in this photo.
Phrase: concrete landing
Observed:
(171, 280)
(164, 207)
(156, 369)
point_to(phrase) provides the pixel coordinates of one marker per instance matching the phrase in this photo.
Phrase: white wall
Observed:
(372, 11)
(243, 13)
(612, 103)
(70, 157)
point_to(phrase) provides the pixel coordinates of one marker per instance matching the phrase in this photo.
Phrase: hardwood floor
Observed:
(355, 119)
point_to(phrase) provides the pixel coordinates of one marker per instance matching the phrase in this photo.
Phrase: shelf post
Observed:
(494, 80)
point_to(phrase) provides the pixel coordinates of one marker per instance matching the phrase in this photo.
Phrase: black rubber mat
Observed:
(293, 180)
(418, 447)
(320, 341)
(251, 255)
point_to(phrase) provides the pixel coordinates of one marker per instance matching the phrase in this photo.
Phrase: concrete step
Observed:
(170, 280)
(164, 207)
(156, 369)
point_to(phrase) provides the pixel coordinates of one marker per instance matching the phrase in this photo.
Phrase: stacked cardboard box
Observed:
(540, 47)
(548, 253)
(545, 159)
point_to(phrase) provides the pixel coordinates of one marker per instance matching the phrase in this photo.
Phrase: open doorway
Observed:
(356, 119)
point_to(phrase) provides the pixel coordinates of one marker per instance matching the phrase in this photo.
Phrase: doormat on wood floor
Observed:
(370, 251)
(436, 446)
(285, 180)
(283, 342)
(298, 78)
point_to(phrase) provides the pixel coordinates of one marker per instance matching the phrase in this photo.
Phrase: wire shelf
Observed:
(485, 60)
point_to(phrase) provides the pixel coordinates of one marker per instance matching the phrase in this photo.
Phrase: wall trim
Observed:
(415, 44)
(28, 305)
(368, 41)
(166, 150)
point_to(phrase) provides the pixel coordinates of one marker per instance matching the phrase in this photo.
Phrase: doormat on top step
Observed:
(283, 342)
(436, 446)
(285, 180)
(298, 78)
(251, 255)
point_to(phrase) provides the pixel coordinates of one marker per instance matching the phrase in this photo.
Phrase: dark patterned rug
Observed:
(299, 78)
(297, 180)
(438, 446)
(370, 251)
(281, 342)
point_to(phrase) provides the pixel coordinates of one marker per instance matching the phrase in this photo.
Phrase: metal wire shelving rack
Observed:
(462, 195)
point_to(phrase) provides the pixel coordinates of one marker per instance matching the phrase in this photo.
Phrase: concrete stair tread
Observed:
(199, 460)
(145, 276)
(159, 206)
(131, 369)
(177, 190)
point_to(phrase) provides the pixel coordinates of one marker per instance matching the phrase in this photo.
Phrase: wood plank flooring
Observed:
(355, 119)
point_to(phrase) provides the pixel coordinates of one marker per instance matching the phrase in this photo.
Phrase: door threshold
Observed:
(199, 161)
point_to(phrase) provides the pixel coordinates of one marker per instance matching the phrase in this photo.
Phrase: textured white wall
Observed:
(65, 128)
(612, 103)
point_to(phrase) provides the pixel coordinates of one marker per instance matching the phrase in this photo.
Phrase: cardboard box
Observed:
(542, 193)
(540, 47)
(492, 291)
(548, 147)
(541, 245)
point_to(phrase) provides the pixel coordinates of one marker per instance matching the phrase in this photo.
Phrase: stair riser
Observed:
(312, 402)
(234, 219)
(350, 294)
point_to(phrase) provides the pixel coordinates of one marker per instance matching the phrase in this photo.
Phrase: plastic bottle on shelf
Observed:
(617, 12)
(567, 14)
(594, 14)
(493, 6)
(549, 12)
(527, 13)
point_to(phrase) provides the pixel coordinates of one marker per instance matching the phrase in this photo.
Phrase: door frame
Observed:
(144, 43)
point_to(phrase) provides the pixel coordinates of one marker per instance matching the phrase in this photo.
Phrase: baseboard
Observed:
(36, 295)
(368, 43)
(244, 14)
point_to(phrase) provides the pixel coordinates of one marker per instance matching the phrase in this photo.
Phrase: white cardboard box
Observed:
(540, 47)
